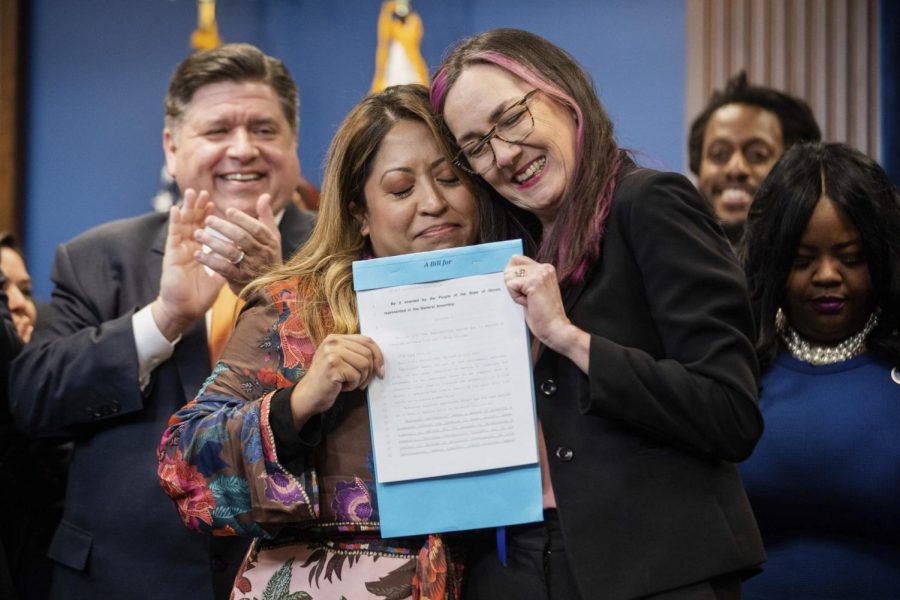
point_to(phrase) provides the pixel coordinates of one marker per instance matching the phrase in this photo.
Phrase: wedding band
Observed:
(239, 259)
(520, 273)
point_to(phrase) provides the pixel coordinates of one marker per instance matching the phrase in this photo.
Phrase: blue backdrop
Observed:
(98, 70)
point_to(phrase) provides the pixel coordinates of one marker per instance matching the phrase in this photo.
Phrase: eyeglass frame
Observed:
(461, 161)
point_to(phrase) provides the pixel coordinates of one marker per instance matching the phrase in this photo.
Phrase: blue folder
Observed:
(463, 501)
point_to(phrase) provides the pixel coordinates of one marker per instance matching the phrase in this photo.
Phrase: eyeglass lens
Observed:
(513, 126)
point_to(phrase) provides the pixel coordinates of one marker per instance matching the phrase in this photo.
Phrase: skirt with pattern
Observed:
(349, 568)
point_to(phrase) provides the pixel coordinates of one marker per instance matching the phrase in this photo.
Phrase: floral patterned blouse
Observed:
(234, 464)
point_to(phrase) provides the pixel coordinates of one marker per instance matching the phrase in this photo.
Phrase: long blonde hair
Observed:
(324, 263)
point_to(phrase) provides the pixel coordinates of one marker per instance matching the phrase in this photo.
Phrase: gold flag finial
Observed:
(206, 36)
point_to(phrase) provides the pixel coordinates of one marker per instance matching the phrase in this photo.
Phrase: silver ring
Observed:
(239, 259)
(520, 273)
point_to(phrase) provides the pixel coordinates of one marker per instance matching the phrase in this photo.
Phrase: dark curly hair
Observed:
(796, 118)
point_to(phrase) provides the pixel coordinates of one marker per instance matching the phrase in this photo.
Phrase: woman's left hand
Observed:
(534, 286)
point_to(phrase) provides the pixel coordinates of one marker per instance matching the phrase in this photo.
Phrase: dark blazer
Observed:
(120, 536)
(642, 449)
(10, 345)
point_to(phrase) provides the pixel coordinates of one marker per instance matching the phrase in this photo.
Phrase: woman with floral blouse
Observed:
(276, 445)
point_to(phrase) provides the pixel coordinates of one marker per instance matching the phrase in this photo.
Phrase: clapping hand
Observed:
(186, 289)
(241, 247)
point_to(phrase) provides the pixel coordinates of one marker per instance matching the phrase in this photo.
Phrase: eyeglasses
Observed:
(514, 125)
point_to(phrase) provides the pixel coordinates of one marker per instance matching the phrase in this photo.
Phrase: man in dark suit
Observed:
(125, 343)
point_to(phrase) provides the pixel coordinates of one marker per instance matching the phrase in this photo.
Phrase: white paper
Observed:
(457, 395)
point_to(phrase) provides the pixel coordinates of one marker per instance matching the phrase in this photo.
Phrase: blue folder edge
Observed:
(425, 267)
(464, 501)
(459, 502)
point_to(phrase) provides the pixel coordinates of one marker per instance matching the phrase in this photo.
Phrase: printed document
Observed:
(453, 421)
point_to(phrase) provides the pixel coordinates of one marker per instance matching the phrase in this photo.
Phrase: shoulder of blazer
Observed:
(632, 181)
(633, 187)
(123, 235)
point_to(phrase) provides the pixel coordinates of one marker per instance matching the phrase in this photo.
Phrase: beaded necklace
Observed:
(801, 349)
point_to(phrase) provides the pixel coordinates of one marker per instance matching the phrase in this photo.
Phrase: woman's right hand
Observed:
(534, 285)
(342, 363)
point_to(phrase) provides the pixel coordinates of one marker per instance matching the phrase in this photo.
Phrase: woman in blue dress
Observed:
(822, 256)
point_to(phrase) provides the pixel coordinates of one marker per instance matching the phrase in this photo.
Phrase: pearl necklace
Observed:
(823, 355)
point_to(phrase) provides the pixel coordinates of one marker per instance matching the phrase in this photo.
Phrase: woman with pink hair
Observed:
(645, 374)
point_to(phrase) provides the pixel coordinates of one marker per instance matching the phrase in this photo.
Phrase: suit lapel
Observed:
(295, 227)
(153, 264)
(191, 356)
(572, 293)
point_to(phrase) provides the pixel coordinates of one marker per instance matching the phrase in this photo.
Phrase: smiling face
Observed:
(18, 291)
(741, 144)
(829, 288)
(414, 201)
(533, 174)
(234, 142)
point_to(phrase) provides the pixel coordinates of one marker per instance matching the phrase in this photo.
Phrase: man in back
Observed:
(737, 139)
(126, 343)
